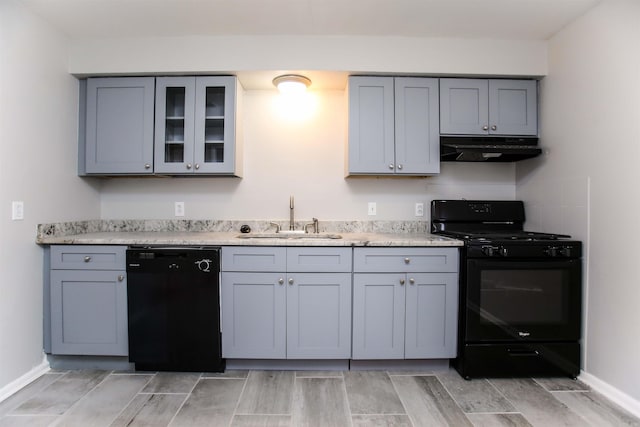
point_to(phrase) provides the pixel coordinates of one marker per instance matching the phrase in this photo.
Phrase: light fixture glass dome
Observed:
(291, 83)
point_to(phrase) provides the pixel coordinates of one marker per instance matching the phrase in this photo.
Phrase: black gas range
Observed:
(520, 291)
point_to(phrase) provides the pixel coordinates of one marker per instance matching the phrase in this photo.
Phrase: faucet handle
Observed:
(313, 224)
(276, 225)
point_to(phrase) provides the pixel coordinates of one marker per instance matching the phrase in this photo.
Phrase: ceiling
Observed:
(496, 19)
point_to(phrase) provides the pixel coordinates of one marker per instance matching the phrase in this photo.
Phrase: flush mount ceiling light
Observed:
(291, 83)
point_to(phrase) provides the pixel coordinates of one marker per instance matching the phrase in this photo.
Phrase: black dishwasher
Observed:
(174, 308)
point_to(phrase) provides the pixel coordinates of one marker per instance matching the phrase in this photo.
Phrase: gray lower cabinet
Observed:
(88, 300)
(118, 126)
(488, 107)
(280, 303)
(405, 303)
(393, 126)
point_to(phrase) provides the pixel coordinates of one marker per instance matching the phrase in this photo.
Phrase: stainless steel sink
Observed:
(289, 235)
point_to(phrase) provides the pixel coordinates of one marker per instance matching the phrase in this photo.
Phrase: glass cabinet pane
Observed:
(175, 102)
(174, 153)
(214, 130)
(213, 152)
(215, 102)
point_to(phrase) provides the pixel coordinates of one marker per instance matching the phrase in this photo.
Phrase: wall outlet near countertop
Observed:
(419, 210)
(179, 209)
(372, 209)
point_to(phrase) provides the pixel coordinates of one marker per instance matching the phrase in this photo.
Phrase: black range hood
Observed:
(487, 148)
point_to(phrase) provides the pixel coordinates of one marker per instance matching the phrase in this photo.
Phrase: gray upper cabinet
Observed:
(488, 107)
(195, 126)
(88, 301)
(393, 126)
(118, 127)
(405, 303)
(282, 302)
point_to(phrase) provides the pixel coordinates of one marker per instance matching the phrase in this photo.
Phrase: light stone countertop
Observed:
(225, 233)
(213, 238)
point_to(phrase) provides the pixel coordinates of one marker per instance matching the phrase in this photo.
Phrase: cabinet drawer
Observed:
(75, 257)
(379, 260)
(254, 258)
(319, 259)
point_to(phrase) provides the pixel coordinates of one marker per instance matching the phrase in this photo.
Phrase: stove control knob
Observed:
(566, 251)
(490, 250)
(551, 251)
(503, 251)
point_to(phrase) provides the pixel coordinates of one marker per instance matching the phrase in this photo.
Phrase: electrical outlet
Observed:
(179, 209)
(17, 210)
(372, 209)
(419, 209)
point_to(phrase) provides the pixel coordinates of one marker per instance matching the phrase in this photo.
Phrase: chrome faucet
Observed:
(291, 226)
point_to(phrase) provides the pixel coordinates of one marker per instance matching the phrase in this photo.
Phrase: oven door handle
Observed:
(523, 353)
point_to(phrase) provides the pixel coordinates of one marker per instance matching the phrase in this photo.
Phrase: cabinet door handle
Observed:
(147, 166)
(87, 259)
(291, 281)
(485, 127)
(412, 281)
(399, 167)
(197, 166)
(281, 281)
(407, 260)
(188, 165)
(391, 166)
(120, 278)
(494, 127)
(401, 282)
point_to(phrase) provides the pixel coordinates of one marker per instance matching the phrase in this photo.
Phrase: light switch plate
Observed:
(17, 210)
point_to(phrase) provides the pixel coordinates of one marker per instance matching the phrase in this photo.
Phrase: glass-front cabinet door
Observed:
(195, 125)
(215, 125)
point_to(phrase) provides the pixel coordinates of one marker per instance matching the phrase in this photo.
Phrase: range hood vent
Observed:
(487, 148)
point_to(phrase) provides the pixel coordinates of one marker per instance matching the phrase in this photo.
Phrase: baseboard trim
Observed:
(24, 380)
(610, 392)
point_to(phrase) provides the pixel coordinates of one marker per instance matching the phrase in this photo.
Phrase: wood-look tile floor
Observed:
(289, 398)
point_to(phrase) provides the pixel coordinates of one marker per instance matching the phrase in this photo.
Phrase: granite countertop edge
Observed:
(204, 238)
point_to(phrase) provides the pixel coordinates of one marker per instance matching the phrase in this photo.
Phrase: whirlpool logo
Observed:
(204, 265)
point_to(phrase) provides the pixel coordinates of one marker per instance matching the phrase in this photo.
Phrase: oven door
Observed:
(523, 300)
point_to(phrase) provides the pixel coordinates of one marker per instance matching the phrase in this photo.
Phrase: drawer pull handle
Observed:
(407, 260)
(120, 278)
(87, 259)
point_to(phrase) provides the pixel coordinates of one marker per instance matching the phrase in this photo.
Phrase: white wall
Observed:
(38, 122)
(304, 158)
(587, 185)
(338, 53)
